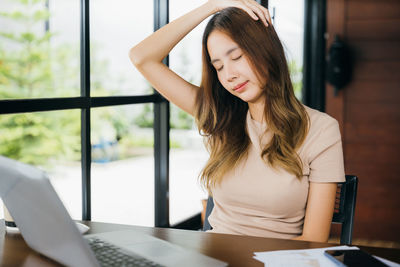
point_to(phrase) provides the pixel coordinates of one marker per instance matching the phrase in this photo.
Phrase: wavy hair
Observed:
(221, 116)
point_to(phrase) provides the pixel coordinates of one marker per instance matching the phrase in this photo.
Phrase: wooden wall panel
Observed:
(383, 172)
(376, 215)
(368, 133)
(334, 104)
(376, 71)
(368, 110)
(384, 92)
(359, 113)
(377, 223)
(375, 50)
(369, 9)
(372, 208)
(387, 29)
(363, 153)
(372, 230)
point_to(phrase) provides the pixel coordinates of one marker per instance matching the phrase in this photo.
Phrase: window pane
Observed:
(123, 164)
(187, 154)
(39, 49)
(185, 58)
(50, 141)
(288, 20)
(115, 27)
(187, 158)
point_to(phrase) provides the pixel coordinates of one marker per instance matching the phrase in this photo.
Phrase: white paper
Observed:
(298, 257)
(305, 258)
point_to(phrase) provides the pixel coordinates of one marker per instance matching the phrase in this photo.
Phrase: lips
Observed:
(240, 86)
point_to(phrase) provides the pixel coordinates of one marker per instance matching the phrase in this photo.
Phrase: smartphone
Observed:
(353, 258)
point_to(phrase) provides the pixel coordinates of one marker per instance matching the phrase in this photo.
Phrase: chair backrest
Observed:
(345, 204)
(210, 206)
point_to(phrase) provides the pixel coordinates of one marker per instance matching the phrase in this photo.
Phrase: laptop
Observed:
(47, 228)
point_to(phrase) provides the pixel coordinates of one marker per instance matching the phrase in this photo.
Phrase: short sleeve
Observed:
(326, 156)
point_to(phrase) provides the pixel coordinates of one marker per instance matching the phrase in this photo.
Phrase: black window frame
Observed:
(314, 54)
(85, 102)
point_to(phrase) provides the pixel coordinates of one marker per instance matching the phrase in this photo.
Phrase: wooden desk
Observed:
(236, 250)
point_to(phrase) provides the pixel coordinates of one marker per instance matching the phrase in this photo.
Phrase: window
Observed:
(288, 20)
(100, 140)
(122, 165)
(115, 26)
(50, 140)
(188, 154)
(39, 58)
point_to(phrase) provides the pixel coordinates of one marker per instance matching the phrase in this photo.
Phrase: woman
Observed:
(274, 164)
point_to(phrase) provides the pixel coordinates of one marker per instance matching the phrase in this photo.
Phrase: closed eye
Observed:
(236, 58)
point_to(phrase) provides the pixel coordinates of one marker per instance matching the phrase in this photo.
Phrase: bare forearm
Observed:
(157, 46)
(312, 238)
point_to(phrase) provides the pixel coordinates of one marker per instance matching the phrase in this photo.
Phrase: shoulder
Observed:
(320, 120)
(322, 149)
(323, 128)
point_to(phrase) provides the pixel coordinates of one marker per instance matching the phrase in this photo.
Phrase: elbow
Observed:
(135, 57)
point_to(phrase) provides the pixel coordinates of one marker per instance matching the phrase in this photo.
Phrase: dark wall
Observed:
(368, 110)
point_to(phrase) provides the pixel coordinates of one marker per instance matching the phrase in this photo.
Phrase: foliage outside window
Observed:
(31, 66)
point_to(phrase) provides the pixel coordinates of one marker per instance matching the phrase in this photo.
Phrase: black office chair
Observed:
(344, 208)
(345, 205)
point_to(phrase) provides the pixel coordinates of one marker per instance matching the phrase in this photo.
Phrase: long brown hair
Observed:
(221, 117)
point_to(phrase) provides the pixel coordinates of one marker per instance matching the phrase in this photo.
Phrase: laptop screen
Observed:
(40, 215)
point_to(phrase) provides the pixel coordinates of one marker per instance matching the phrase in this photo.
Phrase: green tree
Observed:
(26, 72)
(296, 76)
(31, 66)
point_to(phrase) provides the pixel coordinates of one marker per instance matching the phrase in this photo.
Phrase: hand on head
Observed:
(254, 9)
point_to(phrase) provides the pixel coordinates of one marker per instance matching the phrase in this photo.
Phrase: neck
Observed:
(257, 111)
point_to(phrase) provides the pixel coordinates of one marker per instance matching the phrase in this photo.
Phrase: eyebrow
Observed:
(227, 53)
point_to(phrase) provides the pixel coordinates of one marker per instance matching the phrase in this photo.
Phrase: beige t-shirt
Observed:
(258, 200)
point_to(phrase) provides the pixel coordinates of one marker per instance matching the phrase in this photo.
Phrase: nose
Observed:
(230, 72)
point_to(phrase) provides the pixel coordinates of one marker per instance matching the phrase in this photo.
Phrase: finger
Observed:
(249, 11)
(267, 15)
(258, 11)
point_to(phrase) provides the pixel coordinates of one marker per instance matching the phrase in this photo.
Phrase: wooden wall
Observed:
(368, 110)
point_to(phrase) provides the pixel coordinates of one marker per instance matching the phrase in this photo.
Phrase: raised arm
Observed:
(147, 56)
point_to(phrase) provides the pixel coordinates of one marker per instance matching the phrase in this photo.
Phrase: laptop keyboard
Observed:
(110, 255)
